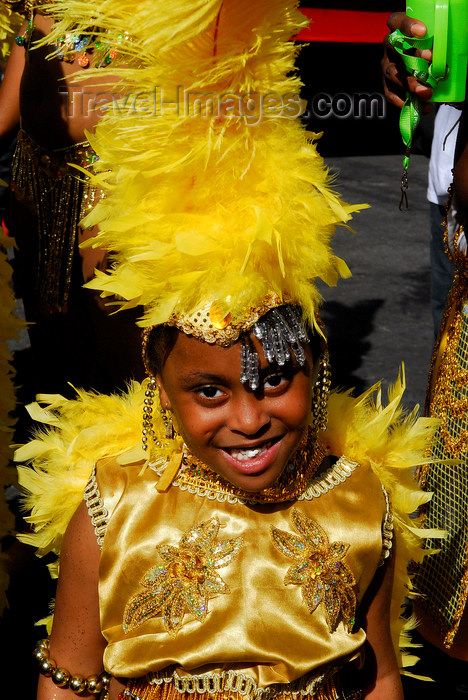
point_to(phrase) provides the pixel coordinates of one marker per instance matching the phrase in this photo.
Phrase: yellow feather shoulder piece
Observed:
(393, 443)
(61, 456)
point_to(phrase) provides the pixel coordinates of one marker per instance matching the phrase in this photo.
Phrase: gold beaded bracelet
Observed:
(62, 678)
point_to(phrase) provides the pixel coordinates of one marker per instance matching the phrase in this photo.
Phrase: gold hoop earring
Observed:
(320, 394)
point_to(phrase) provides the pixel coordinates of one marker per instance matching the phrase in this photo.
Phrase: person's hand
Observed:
(396, 80)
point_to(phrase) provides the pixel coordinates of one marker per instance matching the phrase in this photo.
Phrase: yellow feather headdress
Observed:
(218, 203)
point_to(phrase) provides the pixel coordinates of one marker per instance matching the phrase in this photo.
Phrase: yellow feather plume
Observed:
(230, 204)
(393, 442)
(10, 24)
(63, 454)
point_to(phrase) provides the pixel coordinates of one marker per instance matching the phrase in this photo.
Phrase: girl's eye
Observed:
(274, 380)
(210, 392)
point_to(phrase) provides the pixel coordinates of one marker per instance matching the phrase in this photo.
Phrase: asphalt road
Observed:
(381, 316)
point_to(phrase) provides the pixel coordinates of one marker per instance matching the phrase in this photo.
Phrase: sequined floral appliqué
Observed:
(320, 570)
(186, 579)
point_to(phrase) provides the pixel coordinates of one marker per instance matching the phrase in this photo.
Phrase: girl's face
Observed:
(244, 436)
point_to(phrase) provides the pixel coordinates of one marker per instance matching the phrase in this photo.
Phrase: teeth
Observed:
(244, 455)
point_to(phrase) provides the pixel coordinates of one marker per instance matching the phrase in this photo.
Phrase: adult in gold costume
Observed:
(241, 535)
(49, 198)
(442, 579)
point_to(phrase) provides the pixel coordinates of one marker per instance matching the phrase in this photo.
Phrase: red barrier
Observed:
(344, 26)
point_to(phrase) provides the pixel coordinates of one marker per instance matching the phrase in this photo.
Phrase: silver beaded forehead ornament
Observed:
(281, 333)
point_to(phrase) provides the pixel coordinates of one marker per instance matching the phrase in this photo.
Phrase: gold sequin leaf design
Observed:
(320, 570)
(186, 579)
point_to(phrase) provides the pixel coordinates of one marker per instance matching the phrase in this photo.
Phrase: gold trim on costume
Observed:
(96, 508)
(235, 685)
(213, 325)
(195, 477)
(185, 579)
(59, 197)
(220, 491)
(443, 579)
(319, 570)
(334, 476)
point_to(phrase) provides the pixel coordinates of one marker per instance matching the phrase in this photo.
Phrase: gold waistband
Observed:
(325, 684)
(46, 183)
(57, 162)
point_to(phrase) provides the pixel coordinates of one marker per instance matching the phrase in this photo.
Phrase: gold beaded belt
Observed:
(231, 685)
(58, 196)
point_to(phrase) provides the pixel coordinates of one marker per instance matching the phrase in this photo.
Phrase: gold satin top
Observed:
(193, 584)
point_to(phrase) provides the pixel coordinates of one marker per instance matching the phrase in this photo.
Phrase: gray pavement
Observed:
(381, 316)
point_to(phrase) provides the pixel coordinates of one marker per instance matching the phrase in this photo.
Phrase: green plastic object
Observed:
(447, 29)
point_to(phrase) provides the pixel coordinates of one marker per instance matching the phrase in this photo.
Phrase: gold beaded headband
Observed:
(280, 332)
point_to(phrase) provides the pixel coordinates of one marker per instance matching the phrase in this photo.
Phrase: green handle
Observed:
(438, 67)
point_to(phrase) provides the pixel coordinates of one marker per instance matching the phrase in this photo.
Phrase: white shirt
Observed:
(442, 153)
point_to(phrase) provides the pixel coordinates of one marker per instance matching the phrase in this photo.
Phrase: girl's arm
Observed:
(76, 642)
(383, 673)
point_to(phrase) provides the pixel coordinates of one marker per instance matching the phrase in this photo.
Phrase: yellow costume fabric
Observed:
(239, 625)
(385, 442)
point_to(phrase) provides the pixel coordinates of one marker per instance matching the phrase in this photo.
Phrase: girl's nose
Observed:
(248, 414)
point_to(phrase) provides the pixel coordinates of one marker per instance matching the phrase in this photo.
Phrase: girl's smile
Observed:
(250, 458)
(245, 436)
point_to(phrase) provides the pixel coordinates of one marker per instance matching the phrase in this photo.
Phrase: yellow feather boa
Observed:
(94, 426)
(10, 24)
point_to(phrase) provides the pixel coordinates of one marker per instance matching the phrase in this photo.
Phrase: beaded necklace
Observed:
(80, 47)
(195, 476)
(70, 47)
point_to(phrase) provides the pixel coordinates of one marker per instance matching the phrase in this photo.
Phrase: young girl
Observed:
(264, 567)
(242, 535)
